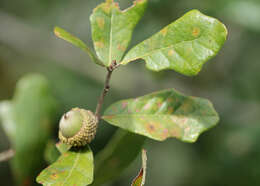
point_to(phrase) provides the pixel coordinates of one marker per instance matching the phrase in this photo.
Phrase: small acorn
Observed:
(78, 127)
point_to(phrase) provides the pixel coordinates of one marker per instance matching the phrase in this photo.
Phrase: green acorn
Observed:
(78, 127)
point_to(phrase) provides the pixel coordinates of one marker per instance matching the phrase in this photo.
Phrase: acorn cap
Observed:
(78, 127)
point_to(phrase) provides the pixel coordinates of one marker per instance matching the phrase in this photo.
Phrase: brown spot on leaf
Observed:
(117, 5)
(59, 160)
(124, 104)
(120, 47)
(196, 31)
(99, 44)
(54, 176)
(170, 52)
(150, 127)
(164, 31)
(57, 33)
(101, 22)
(106, 7)
(165, 133)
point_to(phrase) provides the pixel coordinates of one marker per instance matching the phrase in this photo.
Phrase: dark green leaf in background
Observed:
(163, 114)
(184, 45)
(63, 34)
(119, 153)
(112, 28)
(28, 121)
(51, 153)
(74, 167)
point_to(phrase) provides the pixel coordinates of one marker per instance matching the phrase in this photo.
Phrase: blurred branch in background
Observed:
(6, 155)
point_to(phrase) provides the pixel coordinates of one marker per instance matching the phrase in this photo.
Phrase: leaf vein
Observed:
(158, 49)
(73, 167)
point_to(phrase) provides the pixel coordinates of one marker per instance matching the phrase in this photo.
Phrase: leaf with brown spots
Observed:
(63, 34)
(140, 178)
(163, 115)
(74, 167)
(184, 45)
(112, 28)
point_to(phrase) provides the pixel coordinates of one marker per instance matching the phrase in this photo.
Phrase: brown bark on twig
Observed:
(106, 88)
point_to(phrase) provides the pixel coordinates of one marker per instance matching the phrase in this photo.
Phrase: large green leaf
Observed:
(163, 114)
(28, 121)
(72, 168)
(140, 178)
(119, 153)
(63, 34)
(112, 28)
(184, 45)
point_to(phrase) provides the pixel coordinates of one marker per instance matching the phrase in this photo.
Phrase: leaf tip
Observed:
(56, 31)
(38, 179)
(225, 30)
(139, 180)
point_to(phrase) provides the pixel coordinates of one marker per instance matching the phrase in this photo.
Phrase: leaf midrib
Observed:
(155, 50)
(73, 167)
(110, 39)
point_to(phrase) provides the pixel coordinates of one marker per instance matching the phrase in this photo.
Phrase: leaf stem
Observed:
(6, 155)
(106, 88)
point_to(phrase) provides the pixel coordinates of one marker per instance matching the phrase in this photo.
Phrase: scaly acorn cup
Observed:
(77, 127)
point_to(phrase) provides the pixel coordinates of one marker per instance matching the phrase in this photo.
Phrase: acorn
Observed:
(77, 127)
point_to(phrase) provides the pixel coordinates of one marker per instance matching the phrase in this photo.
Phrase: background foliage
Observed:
(227, 155)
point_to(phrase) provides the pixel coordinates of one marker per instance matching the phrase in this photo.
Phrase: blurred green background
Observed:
(228, 154)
